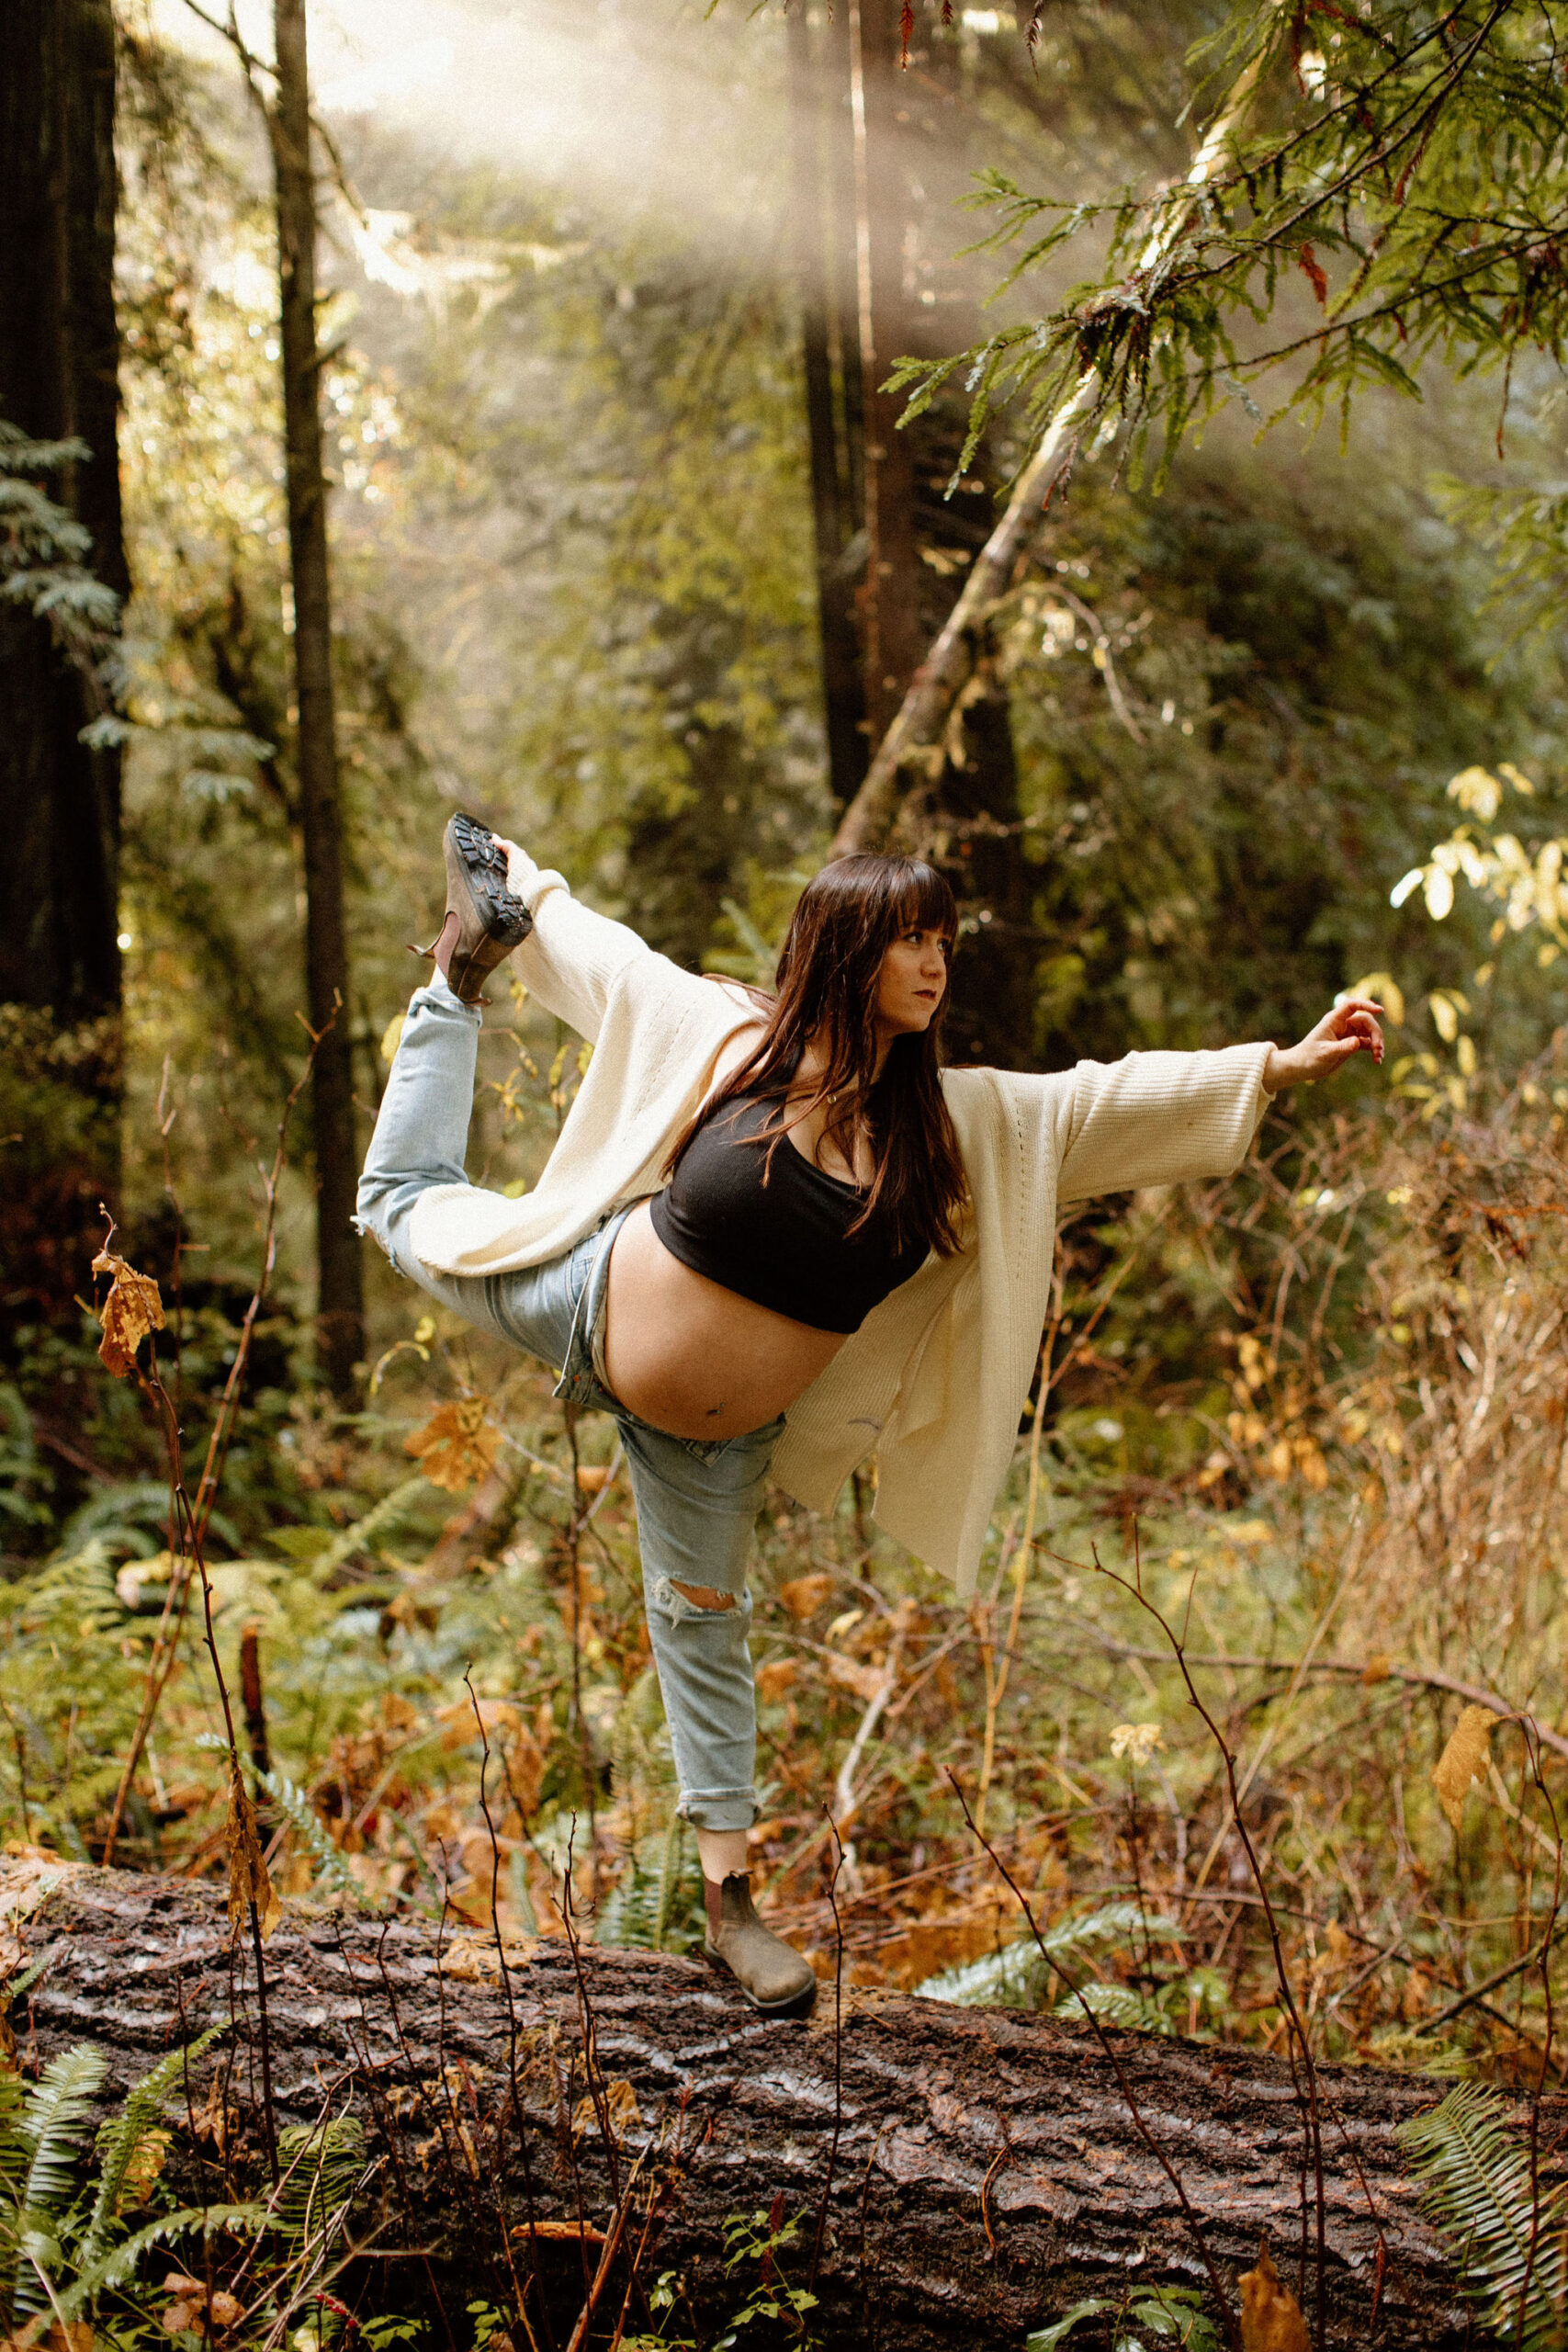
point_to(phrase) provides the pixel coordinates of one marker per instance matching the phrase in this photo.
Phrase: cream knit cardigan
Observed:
(932, 1385)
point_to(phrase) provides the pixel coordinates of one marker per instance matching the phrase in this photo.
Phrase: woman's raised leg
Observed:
(421, 1139)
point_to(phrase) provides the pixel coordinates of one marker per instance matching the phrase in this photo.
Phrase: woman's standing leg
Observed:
(696, 1508)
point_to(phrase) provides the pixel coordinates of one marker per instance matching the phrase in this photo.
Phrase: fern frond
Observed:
(114, 2269)
(120, 2141)
(313, 1834)
(322, 2166)
(58, 2105)
(1015, 1977)
(1511, 2242)
(15, 2150)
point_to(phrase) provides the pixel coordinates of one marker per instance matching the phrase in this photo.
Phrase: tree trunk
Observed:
(978, 2171)
(811, 98)
(890, 626)
(58, 801)
(340, 1295)
(965, 816)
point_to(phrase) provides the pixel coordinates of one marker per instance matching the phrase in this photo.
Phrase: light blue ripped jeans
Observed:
(696, 1502)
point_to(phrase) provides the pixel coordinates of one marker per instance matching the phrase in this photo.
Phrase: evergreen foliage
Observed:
(1508, 2227)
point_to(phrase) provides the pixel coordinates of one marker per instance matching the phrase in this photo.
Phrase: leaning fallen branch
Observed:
(1365, 1670)
(922, 715)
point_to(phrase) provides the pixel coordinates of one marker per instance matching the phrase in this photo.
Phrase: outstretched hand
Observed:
(1352, 1028)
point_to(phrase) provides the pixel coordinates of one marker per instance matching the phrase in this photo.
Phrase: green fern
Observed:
(1017, 1976)
(314, 1836)
(116, 2267)
(121, 2141)
(303, 1819)
(56, 2108)
(322, 2166)
(655, 1905)
(1510, 2239)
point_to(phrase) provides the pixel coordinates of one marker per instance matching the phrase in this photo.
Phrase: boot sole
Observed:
(799, 2005)
(477, 866)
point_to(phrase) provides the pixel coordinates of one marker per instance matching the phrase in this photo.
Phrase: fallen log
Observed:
(970, 2173)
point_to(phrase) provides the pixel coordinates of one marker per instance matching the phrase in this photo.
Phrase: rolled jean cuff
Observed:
(719, 1808)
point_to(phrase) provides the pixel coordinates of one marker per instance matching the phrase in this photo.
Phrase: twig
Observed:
(517, 2288)
(1422, 1677)
(1233, 2336)
(1281, 1976)
(838, 2053)
(166, 1642)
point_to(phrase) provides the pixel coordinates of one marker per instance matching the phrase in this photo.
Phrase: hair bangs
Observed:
(925, 901)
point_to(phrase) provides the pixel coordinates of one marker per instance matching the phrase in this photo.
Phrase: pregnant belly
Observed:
(692, 1357)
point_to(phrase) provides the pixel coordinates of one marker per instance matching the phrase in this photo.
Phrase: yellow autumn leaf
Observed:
(1137, 1741)
(131, 1309)
(456, 1445)
(1271, 2316)
(1384, 990)
(1464, 1760)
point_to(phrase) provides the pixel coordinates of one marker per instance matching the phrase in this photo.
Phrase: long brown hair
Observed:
(845, 920)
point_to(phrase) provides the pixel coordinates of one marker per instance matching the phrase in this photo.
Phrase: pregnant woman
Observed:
(776, 1237)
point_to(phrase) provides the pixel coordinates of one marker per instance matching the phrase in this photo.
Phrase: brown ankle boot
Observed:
(484, 920)
(773, 1976)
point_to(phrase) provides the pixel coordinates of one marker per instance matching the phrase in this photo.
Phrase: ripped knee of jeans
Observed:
(685, 1603)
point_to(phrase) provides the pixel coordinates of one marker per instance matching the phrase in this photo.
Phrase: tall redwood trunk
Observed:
(833, 472)
(892, 637)
(60, 803)
(340, 1297)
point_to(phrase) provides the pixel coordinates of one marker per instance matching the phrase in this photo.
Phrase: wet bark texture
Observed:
(919, 532)
(981, 2170)
(58, 801)
(341, 1297)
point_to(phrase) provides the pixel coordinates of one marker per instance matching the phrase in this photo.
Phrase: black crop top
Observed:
(786, 1243)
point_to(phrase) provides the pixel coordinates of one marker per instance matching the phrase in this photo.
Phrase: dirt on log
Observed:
(973, 2172)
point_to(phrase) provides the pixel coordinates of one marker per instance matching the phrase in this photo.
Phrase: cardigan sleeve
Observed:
(572, 957)
(1159, 1119)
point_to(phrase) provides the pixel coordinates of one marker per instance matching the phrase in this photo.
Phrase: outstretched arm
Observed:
(1352, 1028)
(1164, 1118)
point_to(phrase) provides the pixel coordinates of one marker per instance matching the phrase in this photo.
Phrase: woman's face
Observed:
(912, 982)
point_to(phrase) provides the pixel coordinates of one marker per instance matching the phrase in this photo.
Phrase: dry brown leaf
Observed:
(179, 2318)
(579, 2232)
(456, 1445)
(223, 2308)
(866, 1681)
(619, 2101)
(1271, 2316)
(774, 1679)
(1464, 1760)
(1377, 1669)
(131, 1309)
(248, 1881)
(806, 1595)
(592, 1477)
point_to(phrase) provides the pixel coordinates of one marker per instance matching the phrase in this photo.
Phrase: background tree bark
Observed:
(341, 1295)
(60, 813)
(979, 2170)
(814, 104)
